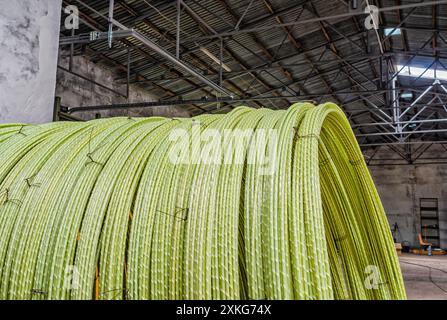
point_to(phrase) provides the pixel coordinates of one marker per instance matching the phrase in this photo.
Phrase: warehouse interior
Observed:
(383, 62)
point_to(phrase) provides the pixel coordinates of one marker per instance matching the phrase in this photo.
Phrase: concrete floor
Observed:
(417, 271)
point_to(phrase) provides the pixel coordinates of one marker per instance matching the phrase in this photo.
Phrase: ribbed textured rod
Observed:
(103, 203)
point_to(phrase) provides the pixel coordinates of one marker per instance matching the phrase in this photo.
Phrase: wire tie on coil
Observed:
(89, 155)
(6, 192)
(120, 290)
(184, 218)
(21, 131)
(38, 291)
(295, 129)
(306, 136)
(30, 184)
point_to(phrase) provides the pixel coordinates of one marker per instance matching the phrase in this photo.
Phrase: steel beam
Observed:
(403, 132)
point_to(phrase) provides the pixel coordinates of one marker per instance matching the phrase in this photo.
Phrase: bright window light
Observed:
(416, 72)
(392, 31)
(406, 95)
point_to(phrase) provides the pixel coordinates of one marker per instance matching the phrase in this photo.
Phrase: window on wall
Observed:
(420, 72)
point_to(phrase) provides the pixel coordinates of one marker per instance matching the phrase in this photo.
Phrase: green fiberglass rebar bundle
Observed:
(254, 204)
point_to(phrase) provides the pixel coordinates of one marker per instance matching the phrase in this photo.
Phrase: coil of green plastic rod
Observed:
(99, 210)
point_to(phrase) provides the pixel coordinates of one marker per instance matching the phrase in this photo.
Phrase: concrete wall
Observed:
(77, 92)
(29, 33)
(401, 186)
